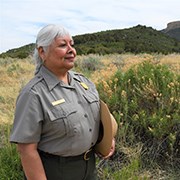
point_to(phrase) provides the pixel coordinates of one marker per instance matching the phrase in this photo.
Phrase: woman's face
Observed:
(60, 55)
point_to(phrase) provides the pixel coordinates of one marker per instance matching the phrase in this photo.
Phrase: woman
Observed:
(57, 116)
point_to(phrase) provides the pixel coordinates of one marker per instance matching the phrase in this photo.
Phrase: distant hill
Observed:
(173, 30)
(21, 52)
(138, 39)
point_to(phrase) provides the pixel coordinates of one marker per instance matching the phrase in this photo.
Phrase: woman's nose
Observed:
(70, 49)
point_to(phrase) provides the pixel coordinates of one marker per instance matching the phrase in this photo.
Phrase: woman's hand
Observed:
(111, 150)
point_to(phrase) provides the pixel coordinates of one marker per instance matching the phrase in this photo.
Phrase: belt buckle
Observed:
(86, 158)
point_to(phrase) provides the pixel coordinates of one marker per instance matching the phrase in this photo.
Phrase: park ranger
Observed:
(57, 114)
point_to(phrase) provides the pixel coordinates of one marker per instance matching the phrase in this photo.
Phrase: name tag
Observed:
(60, 101)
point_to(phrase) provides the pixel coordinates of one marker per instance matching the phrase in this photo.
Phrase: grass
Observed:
(126, 84)
(10, 167)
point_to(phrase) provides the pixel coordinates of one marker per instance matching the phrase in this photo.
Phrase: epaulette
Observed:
(81, 79)
(76, 75)
(32, 83)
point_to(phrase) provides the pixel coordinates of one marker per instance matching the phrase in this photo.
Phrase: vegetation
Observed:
(143, 93)
(138, 39)
(173, 32)
(145, 101)
(22, 52)
(10, 166)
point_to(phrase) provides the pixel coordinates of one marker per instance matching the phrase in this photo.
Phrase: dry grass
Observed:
(125, 61)
(13, 77)
(15, 73)
(173, 61)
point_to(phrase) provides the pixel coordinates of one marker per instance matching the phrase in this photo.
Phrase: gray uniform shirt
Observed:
(63, 119)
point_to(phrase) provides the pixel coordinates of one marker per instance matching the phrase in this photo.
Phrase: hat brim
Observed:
(104, 146)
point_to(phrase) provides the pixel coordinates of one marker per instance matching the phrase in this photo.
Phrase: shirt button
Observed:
(92, 144)
(90, 129)
(85, 115)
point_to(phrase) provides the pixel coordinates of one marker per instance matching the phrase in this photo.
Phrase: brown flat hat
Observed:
(108, 130)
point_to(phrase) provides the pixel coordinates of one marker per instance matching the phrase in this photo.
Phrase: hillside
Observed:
(173, 30)
(138, 39)
(21, 52)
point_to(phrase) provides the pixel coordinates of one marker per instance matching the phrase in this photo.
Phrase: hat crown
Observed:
(108, 131)
(114, 125)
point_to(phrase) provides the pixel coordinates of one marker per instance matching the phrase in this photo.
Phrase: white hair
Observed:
(44, 39)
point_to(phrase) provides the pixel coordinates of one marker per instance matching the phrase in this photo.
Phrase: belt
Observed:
(85, 156)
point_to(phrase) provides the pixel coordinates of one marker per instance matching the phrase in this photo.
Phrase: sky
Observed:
(20, 20)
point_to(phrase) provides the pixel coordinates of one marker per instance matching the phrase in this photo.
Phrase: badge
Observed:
(84, 85)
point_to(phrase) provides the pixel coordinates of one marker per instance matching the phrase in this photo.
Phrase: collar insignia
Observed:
(84, 85)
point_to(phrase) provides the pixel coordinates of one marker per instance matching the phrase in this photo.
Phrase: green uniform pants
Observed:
(69, 168)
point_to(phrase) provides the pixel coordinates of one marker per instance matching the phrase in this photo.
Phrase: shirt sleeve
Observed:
(28, 119)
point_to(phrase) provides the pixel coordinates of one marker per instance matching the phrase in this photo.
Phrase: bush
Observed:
(145, 101)
(88, 64)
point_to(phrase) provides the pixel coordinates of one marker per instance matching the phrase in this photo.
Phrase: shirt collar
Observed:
(50, 79)
(74, 77)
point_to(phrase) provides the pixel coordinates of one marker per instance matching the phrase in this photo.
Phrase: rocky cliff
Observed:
(173, 25)
(173, 30)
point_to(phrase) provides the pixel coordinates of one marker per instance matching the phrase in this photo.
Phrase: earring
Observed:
(43, 61)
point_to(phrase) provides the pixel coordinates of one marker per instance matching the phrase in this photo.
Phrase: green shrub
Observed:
(10, 167)
(145, 101)
(88, 64)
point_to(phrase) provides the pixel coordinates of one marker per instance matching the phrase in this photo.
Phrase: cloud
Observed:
(21, 20)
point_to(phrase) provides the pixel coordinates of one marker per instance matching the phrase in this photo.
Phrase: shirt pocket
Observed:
(60, 119)
(93, 103)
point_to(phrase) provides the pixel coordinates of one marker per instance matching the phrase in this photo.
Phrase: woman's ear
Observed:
(41, 53)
